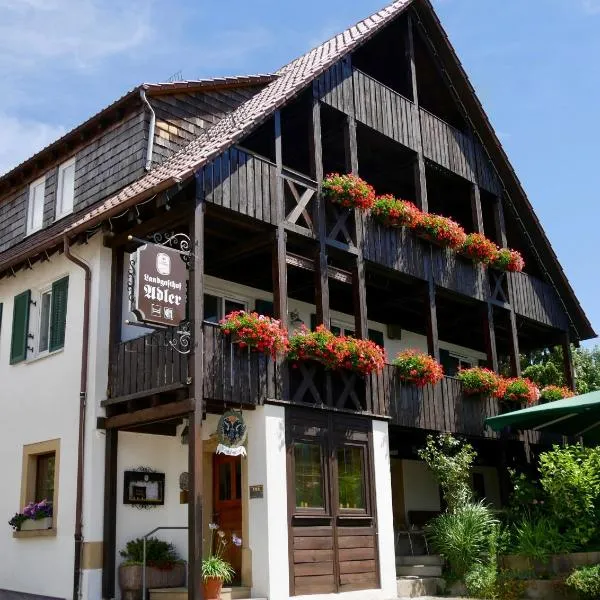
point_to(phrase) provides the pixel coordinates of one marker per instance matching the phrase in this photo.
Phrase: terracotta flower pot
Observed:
(212, 588)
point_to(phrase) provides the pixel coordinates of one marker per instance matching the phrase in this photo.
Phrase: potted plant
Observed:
(261, 333)
(164, 568)
(362, 356)
(441, 230)
(391, 212)
(479, 249)
(418, 368)
(215, 569)
(36, 515)
(478, 380)
(508, 260)
(349, 191)
(550, 393)
(518, 391)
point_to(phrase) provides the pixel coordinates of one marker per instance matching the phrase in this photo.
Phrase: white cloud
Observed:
(22, 138)
(76, 32)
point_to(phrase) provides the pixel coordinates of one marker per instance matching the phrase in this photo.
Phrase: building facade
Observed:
(114, 420)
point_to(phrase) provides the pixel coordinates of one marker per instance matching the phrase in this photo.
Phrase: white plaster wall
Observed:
(39, 400)
(267, 518)
(421, 490)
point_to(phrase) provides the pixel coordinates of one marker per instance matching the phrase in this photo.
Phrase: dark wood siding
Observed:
(13, 218)
(182, 117)
(457, 273)
(335, 88)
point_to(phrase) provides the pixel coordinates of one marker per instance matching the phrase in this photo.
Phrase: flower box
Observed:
(255, 331)
(441, 231)
(551, 393)
(479, 249)
(518, 391)
(508, 260)
(478, 381)
(131, 575)
(418, 368)
(35, 524)
(391, 212)
(348, 191)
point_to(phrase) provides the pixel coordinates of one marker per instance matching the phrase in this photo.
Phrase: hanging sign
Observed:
(160, 285)
(232, 433)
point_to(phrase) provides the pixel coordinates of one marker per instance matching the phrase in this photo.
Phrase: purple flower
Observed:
(236, 540)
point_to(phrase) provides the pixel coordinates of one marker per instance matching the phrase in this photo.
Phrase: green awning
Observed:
(577, 416)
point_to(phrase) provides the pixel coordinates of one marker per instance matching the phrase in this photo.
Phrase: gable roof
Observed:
(284, 85)
(126, 101)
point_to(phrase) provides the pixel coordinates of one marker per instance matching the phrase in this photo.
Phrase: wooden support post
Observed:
(433, 342)
(109, 544)
(490, 337)
(322, 280)
(476, 208)
(499, 222)
(419, 165)
(359, 287)
(515, 358)
(568, 361)
(195, 450)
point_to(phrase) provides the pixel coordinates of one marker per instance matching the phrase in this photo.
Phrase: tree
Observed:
(545, 367)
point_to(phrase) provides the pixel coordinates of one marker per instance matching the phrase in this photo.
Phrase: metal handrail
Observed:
(144, 557)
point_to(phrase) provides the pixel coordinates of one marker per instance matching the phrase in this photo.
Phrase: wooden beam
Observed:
(568, 361)
(433, 341)
(499, 222)
(515, 358)
(476, 208)
(149, 415)
(490, 337)
(195, 416)
(109, 526)
(321, 279)
(308, 264)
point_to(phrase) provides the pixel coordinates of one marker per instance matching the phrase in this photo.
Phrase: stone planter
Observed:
(35, 524)
(130, 579)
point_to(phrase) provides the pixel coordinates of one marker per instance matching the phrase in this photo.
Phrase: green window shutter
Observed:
(376, 336)
(58, 314)
(20, 328)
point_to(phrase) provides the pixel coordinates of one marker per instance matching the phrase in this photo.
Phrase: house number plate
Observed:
(256, 491)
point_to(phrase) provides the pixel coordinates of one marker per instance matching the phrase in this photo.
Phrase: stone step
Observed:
(425, 559)
(419, 571)
(417, 587)
(227, 593)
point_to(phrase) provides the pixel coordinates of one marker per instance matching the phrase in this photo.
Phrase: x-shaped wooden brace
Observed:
(340, 225)
(301, 204)
(498, 292)
(349, 380)
(308, 384)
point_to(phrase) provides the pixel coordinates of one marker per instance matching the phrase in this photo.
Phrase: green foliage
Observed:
(587, 369)
(539, 538)
(217, 568)
(451, 460)
(544, 374)
(510, 587)
(570, 477)
(586, 582)
(17, 521)
(482, 580)
(158, 553)
(462, 537)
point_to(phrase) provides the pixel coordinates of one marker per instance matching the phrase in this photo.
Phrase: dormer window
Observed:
(35, 211)
(65, 191)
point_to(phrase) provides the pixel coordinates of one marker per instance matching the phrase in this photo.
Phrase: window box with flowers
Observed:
(391, 212)
(479, 249)
(479, 381)
(257, 332)
(551, 393)
(348, 191)
(508, 260)
(516, 392)
(441, 231)
(36, 516)
(418, 368)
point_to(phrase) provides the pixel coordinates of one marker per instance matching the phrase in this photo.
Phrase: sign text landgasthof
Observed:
(160, 290)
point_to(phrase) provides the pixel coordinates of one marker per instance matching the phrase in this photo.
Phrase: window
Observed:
(351, 477)
(65, 191)
(453, 363)
(46, 332)
(39, 478)
(216, 307)
(308, 475)
(35, 211)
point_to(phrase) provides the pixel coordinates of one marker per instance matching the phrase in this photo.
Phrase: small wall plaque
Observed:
(256, 491)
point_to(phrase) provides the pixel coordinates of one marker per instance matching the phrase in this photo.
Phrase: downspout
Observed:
(82, 404)
(151, 128)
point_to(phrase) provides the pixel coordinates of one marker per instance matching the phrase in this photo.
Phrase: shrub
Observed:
(256, 331)
(349, 191)
(418, 368)
(586, 582)
(539, 538)
(519, 390)
(508, 260)
(158, 553)
(451, 461)
(392, 212)
(478, 248)
(479, 381)
(441, 230)
(551, 393)
(462, 537)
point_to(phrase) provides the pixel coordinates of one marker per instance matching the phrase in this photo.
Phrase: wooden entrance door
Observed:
(227, 503)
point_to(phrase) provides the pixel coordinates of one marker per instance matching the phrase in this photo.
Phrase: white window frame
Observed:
(224, 296)
(31, 226)
(60, 211)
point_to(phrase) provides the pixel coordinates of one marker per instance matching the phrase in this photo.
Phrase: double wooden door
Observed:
(227, 506)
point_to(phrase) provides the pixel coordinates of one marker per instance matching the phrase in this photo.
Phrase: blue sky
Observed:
(535, 65)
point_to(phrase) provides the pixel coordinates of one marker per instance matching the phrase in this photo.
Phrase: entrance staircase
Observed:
(229, 593)
(418, 576)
